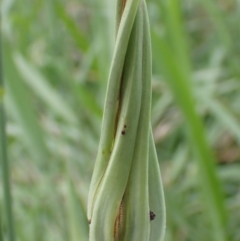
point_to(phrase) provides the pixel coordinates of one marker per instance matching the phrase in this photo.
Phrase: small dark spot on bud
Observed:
(123, 132)
(152, 215)
(89, 221)
(125, 126)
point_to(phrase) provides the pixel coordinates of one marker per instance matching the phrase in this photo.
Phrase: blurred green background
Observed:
(56, 60)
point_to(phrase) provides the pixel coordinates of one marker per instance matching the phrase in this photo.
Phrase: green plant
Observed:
(57, 56)
(126, 185)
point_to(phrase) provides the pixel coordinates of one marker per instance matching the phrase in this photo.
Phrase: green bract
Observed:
(126, 184)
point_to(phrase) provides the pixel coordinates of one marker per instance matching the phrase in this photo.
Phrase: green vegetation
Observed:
(7, 200)
(126, 185)
(57, 57)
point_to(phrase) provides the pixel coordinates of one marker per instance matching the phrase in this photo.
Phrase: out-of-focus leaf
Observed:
(42, 88)
(72, 27)
(177, 69)
(23, 109)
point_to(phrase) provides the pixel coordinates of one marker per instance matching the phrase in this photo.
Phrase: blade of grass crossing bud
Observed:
(156, 195)
(111, 102)
(115, 178)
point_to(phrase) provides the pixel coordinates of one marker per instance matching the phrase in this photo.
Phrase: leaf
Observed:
(23, 110)
(36, 81)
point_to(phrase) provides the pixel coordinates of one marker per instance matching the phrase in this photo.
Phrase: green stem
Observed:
(1, 231)
(3, 157)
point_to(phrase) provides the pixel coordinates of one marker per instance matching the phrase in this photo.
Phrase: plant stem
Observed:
(1, 231)
(3, 156)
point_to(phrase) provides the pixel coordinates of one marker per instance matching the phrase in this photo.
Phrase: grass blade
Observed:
(4, 158)
(23, 110)
(177, 69)
(73, 29)
(42, 88)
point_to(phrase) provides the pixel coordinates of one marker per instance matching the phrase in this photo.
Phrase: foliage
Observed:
(56, 61)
